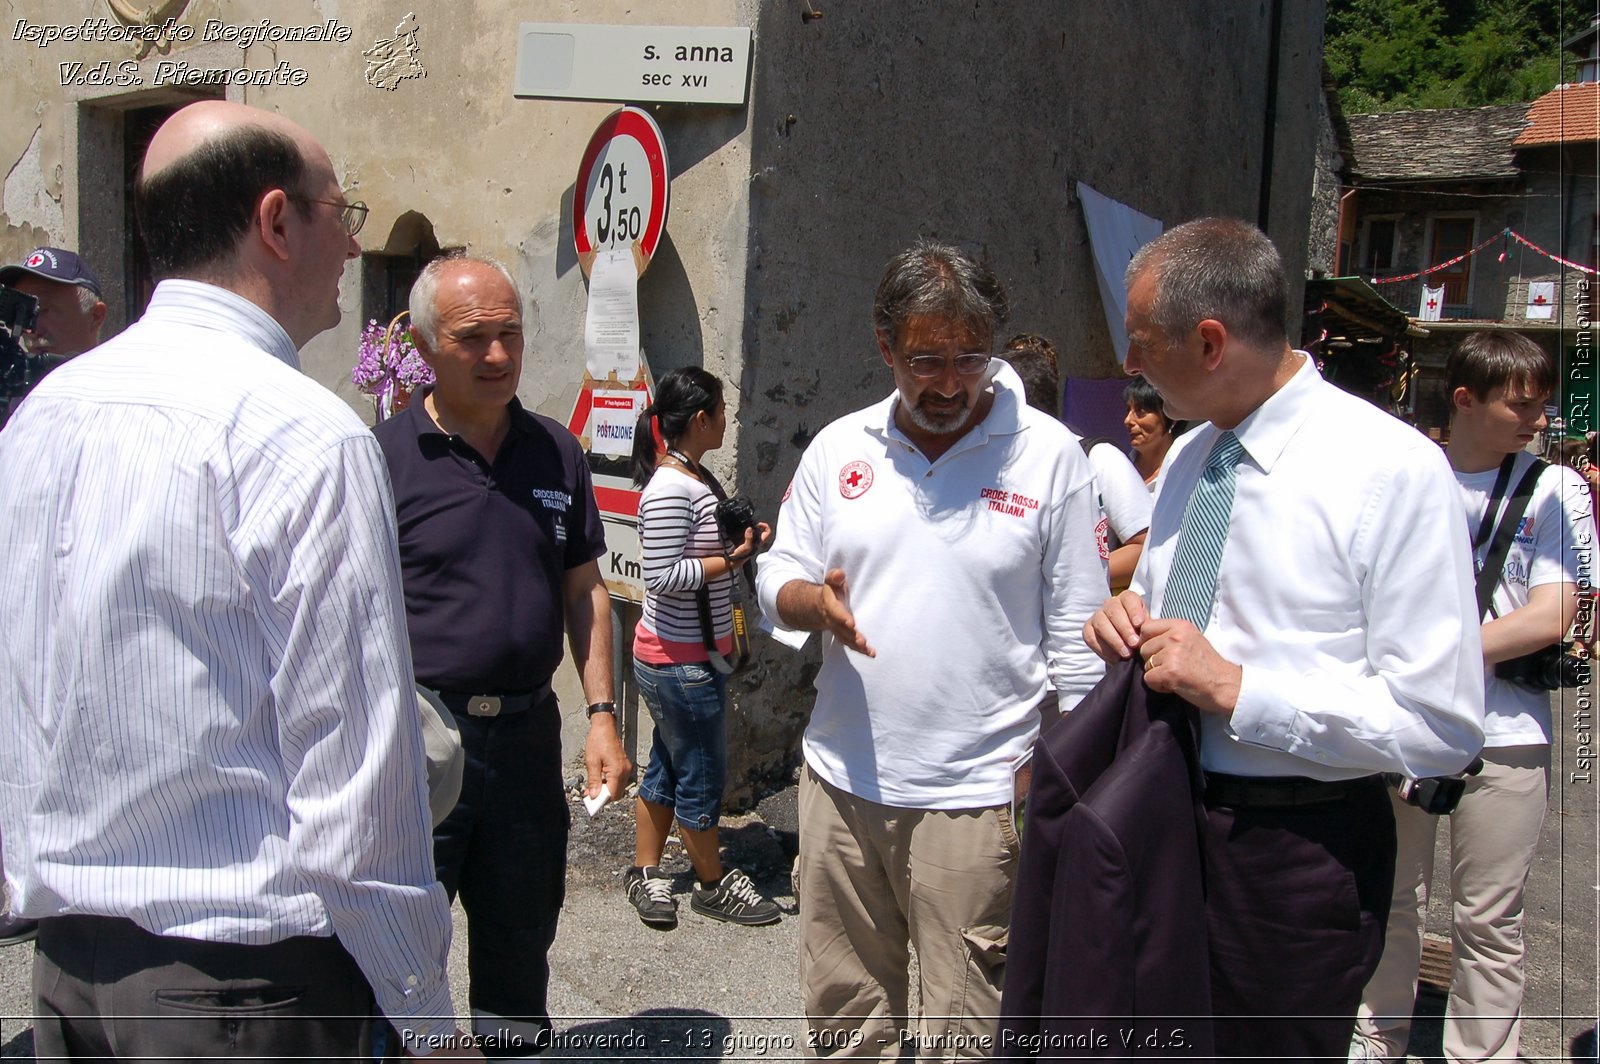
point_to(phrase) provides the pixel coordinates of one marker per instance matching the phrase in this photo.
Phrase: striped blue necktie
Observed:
(1193, 581)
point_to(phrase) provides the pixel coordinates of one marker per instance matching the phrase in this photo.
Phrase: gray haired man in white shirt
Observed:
(1305, 586)
(215, 800)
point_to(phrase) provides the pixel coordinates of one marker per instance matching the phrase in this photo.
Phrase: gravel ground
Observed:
(707, 990)
(714, 991)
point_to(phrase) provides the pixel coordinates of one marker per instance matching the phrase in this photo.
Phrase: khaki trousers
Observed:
(1493, 835)
(875, 880)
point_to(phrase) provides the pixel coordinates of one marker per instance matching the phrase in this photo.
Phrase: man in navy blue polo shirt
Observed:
(499, 536)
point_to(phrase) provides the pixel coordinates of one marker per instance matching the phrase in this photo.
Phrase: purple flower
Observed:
(370, 369)
(413, 372)
(380, 368)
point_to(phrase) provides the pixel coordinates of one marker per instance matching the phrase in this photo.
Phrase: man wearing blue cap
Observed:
(71, 308)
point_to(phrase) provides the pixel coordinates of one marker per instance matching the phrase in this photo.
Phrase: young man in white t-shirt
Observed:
(1498, 383)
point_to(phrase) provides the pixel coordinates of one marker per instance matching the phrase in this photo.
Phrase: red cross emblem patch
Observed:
(855, 479)
(36, 259)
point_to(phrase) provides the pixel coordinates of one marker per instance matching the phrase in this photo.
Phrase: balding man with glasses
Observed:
(943, 540)
(351, 215)
(216, 802)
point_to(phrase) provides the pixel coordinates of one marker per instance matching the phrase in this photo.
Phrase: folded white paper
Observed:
(789, 637)
(599, 801)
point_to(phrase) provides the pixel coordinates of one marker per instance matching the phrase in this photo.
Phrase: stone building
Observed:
(863, 126)
(1504, 197)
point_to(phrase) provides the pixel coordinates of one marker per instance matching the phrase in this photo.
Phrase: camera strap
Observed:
(1517, 505)
(702, 598)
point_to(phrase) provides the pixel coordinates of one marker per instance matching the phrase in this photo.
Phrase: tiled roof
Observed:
(1570, 113)
(1455, 143)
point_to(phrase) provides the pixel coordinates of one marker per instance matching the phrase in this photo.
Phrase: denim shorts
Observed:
(689, 754)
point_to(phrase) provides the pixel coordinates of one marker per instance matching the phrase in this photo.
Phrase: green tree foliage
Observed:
(1395, 55)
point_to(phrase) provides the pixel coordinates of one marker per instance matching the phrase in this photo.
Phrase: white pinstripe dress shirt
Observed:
(205, 684)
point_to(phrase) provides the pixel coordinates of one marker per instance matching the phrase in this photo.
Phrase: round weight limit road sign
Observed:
(621, 195)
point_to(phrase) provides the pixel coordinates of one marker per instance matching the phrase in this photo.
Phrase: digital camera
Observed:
(1549, 669)
(1438, 795)
(18, 370)
(735, 517)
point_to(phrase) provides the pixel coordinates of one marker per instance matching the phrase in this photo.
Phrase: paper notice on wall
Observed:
(611, 328)
(611, 422)
(1116, 231)
(1432, 305)
(1541, 299)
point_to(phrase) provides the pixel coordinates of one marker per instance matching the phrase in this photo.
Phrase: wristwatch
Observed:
(602, 707)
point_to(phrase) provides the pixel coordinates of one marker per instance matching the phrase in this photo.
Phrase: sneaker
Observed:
(735, 900)
(16, 929)
(651, 894)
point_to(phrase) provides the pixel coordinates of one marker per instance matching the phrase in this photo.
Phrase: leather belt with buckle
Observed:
(1278, 792)
(485, 705)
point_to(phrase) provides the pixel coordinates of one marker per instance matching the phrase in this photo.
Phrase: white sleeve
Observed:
(351, 737)
(1563, 526)
(1123, 495)
(1074, 580)
(1420, 712)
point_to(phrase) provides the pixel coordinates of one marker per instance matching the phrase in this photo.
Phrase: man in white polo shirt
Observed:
(950, 498)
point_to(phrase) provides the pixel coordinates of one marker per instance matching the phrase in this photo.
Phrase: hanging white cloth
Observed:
(1432, 303)
(1116, 231)
(1541, 299)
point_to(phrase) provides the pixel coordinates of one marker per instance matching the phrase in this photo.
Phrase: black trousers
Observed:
(106, 988)
(1296, 903)
(504, 850)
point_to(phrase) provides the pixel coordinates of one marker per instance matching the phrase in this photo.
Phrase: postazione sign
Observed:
(633, 64)
(614, 493)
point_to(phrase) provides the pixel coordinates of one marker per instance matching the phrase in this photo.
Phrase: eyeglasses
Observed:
(351, 215)
(927, 367)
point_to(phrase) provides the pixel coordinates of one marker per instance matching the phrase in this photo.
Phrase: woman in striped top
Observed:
(685, 560)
